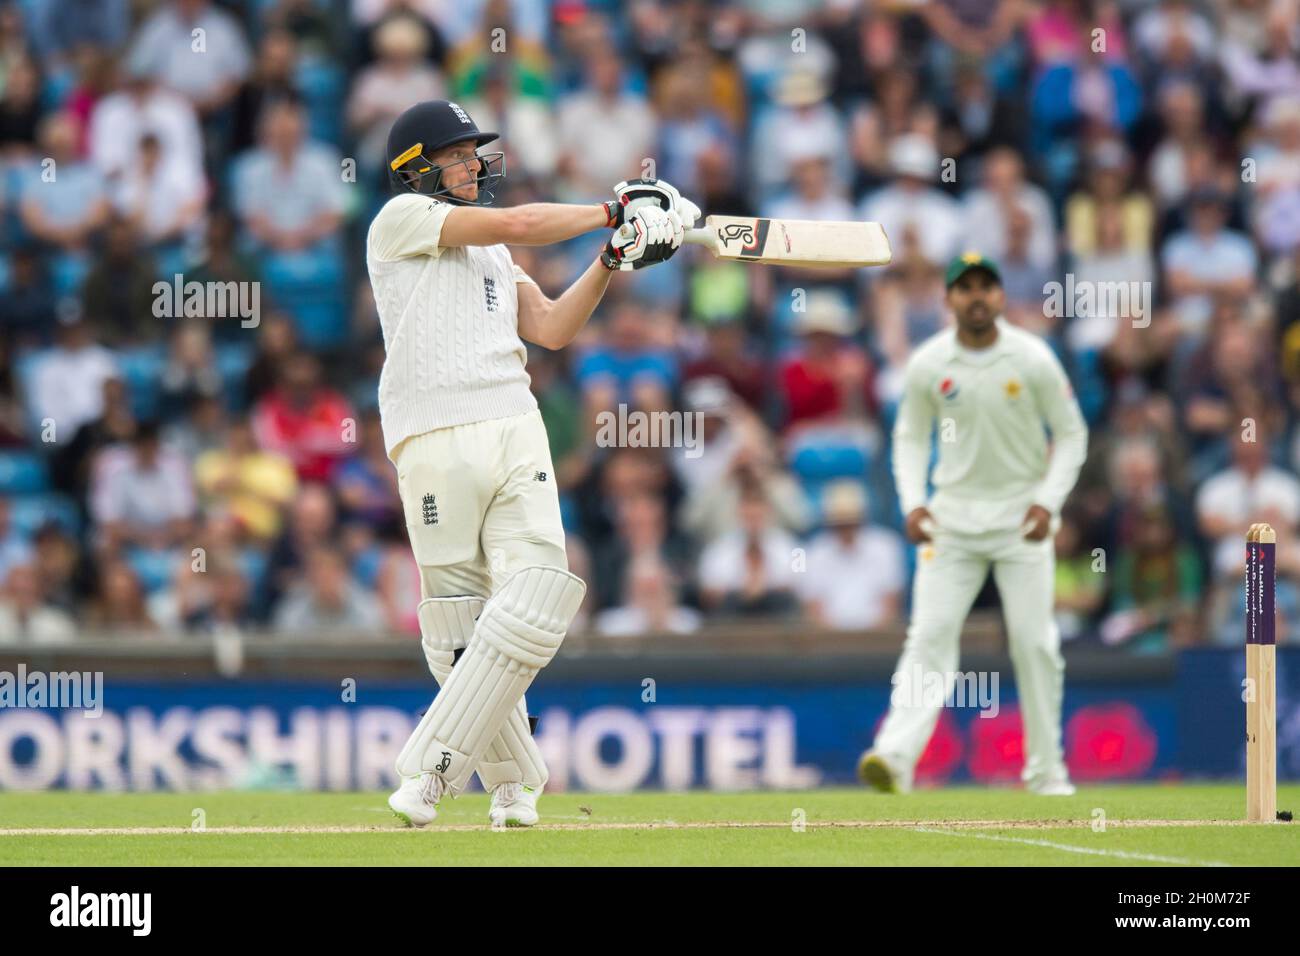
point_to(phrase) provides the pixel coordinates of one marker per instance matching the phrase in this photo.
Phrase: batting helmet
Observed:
(423, 130)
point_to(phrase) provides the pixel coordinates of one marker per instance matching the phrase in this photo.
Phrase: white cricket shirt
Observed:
(992, 408)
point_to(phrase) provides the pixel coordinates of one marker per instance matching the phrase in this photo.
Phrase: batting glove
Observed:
(650, 235)
(634, 194)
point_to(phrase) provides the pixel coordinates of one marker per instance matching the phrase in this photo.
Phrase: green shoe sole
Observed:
(875, 773)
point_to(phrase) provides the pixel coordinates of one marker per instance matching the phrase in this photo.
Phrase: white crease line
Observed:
(1071, 848)
(929, 826)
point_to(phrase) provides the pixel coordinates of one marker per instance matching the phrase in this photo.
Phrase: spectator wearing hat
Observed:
(830, 379)
(900, 109)
(912, 204)
(803, 123)
(400, 77)
(854, 573)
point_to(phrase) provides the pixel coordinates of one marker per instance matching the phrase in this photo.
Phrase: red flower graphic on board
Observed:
(997, 746)
(1108, 741)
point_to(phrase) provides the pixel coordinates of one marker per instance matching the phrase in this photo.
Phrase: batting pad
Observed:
(446, 625)
(518, 633)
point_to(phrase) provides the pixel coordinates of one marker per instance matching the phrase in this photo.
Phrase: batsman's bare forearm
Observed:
(532, 224)
(570, 312)
(541, 223)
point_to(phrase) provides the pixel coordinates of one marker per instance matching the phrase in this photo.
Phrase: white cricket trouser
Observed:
(480, 503)
(949, 575)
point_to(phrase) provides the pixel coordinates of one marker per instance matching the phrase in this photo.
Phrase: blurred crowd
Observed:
(168, 469)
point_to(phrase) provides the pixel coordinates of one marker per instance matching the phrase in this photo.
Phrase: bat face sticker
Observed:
(738, 230)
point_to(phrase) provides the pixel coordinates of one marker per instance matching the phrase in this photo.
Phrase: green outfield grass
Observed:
(1144, 825)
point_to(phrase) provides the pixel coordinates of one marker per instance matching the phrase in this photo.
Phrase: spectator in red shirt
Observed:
(306, 421)
(727, 355)
(831, 378)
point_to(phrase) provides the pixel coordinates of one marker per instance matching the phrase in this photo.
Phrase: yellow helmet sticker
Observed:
(408, 154)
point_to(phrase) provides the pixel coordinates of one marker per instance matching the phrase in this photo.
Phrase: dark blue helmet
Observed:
(423, 130)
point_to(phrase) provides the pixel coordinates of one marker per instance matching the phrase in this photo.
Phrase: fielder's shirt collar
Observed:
(1002, 346)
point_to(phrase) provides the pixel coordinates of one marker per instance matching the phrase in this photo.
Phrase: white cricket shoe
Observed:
(514, 805)
(876, 771)
(1055, 786)
(415, 802)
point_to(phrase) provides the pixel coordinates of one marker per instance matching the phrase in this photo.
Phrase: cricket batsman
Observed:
(991, 389)
(463, 430)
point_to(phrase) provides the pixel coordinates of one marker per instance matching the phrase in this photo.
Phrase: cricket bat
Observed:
(793, 242)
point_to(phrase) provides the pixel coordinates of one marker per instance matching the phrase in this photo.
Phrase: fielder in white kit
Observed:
(463, 429)
(989, 388)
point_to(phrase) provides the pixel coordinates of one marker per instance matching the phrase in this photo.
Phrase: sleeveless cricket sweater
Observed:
(450, 319)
